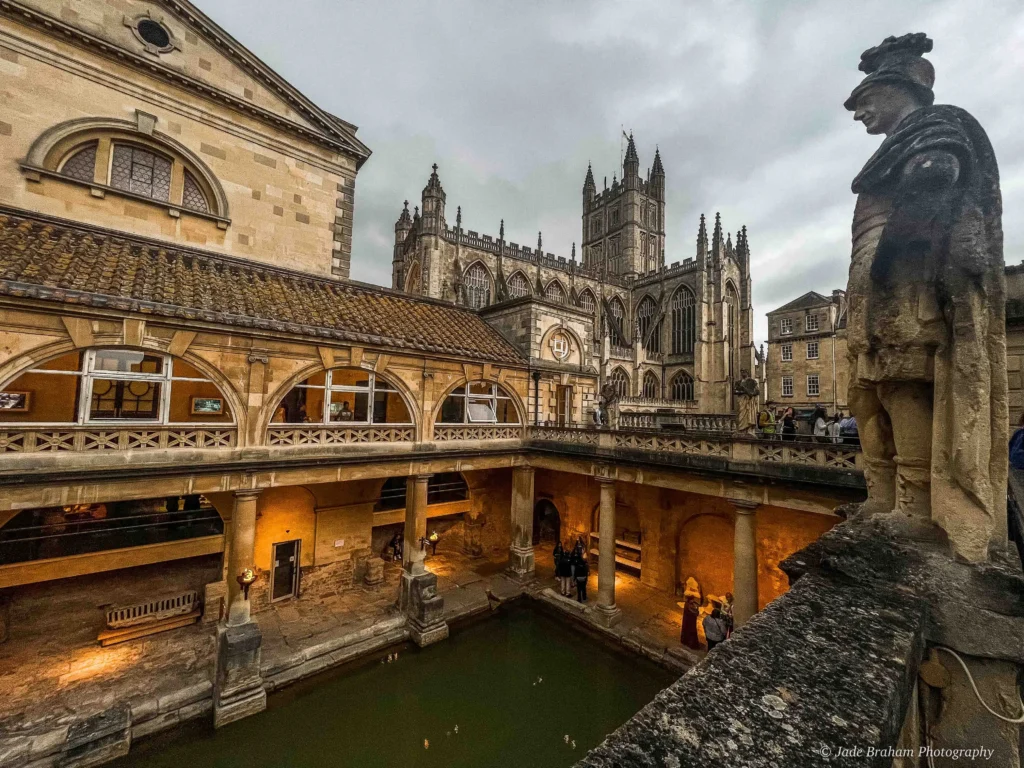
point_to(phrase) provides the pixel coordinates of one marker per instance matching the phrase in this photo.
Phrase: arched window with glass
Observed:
(620, 381)
(684, 321)
(682, 386)
(652, 387)
(477, 286)
(479, 402)
(556, 293)
(646, 318)
(518, 286)
(732, 305)
(587, 302)
(343, 397)
(617, 329)
(113, 386)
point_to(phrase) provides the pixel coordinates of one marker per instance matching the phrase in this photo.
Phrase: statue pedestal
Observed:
(424, 608)
(238, 688)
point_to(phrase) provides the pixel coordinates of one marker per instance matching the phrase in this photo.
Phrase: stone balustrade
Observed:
(444, 433)
(331, 435)
(42, 439)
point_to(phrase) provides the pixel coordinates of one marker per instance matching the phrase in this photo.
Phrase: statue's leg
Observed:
(877, 445)
(909, 405)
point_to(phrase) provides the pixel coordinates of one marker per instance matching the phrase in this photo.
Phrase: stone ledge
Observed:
(830, 663)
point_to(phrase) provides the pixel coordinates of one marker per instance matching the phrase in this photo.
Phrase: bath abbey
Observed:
(254, 512)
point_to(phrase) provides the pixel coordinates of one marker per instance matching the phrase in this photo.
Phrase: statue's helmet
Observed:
(898, 61)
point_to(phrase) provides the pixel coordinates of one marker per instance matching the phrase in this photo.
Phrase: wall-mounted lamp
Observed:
(245, 580)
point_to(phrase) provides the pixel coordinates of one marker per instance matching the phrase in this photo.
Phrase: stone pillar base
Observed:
(374, 571)
(424, 607)
(238, 688)
(424, 636)
(607, 615)
(520, 563)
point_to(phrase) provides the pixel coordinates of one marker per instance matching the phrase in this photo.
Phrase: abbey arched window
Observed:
(682, 386)
(518, 286)
(412, 280)
(620, 380)
(731, 308)
(587, 302)
(107, 386)
(128, 158)
(652, 387)
(684, 321)
(478, 286)
(478, 402)
(617, 329)
(343, 396)
(555, 292)
(646, 317)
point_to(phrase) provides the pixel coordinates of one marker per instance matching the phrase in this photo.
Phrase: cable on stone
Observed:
(970, 678)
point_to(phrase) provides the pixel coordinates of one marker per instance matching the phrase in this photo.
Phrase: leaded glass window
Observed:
(82, 164)
(646, 316)
(587, 302)
(651, 385)
(478, 286)
(620, 380)
(684, 321)
(618, 328)
(141, 172)
(555, 292)
(682, 386)
(192, 196)
(518, 286)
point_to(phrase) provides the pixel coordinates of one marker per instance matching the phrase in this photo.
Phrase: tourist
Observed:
(727, 614)
(565, 575)
(346, 412)
(598, 415)
(557, 555)
(820, 421)
(766, 423)
(788, 425)
(833, 427)
(1017, 445)
(714, 626)
(580, 572)
(691, 610)
(848, 430)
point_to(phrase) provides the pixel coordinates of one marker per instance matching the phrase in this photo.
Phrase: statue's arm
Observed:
(921, 215)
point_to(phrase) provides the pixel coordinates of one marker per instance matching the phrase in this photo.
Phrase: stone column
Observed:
(607, 612)
(520, 556)
(242, 553)
(418, 597)
(238, 685)
(744, 580)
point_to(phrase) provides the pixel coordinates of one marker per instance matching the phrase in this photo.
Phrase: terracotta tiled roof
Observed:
(59, 261)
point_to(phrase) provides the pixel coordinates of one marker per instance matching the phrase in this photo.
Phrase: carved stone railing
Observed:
(571, 435)
(450, 432)
(690, 422)
(657, 441)
(330, 435)
(89, 439)
(824, 455)
(656, 402)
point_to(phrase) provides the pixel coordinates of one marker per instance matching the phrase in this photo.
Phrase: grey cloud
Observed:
(512, 99)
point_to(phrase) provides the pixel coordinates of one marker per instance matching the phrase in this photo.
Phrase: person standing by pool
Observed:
(581, 573)
(714, 627)
(565, 574)
(688, 636)
(557, 555)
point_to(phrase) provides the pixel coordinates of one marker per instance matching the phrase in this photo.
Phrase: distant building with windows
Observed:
(806, 362)
(667, 337)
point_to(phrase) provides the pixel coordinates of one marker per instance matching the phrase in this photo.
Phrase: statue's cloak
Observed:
(949, 242)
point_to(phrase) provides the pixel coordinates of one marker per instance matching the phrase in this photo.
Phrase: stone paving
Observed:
(53, 675)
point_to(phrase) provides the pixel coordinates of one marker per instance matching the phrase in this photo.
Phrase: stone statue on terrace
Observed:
(926, 305)
(748, 395)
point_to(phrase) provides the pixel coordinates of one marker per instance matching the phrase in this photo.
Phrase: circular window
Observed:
(154, 33)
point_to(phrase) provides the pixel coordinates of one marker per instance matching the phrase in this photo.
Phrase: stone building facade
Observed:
(806, 362)
(673, 338)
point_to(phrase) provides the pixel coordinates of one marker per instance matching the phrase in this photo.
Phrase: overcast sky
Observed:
(512, 99)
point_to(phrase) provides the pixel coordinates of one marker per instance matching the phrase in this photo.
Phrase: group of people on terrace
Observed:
(818, 426)
(718, 617)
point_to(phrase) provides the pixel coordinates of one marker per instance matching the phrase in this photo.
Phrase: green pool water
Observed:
(503, 691)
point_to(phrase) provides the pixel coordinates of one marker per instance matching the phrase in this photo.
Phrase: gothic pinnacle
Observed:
(658, 169)
(631, 155)
(501, 231)
(540, 244)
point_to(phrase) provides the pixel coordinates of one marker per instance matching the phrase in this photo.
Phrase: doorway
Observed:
(284, 576)
(563, 406)
(547, 524)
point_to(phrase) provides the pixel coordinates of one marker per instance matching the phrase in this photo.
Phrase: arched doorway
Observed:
(547, 523)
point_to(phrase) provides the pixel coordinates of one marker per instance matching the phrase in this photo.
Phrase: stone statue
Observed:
(747, 394)
(926, 305)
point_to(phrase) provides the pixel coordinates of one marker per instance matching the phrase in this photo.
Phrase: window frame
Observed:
(684, 383)
(817, 385)
(808, 326)
(787, 380)
(786, 353)
(497, 393)
(329, 387)
(786, 326)
(817, 350)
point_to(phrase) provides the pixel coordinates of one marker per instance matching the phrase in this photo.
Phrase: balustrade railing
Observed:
(835, 455)
(451, 432)
(690, 422)
(90, 438)
(331, 435)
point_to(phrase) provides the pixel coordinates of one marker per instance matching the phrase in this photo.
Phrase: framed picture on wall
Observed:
(207, 406)
(15, 402)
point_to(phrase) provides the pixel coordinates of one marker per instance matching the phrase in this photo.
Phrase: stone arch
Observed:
(578, 353)
(517, 401)
(547, 522)
(681, 386)
(587, 301)
(58, 142)
(518, 285)
(477, 267)
(413, 278)
(621, 380)
(555, 291)
(705, 551)
(651, 384)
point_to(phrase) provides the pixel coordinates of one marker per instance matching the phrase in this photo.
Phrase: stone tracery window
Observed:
(479, 402)
(518, 286)
(555, 292)
(646, 316)
(684, 321)
(477, 285)
(105, 386)
(343, 396)
(652, 387)
(587, 301)
(618, 334)
(682, 386)
(620, 380)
